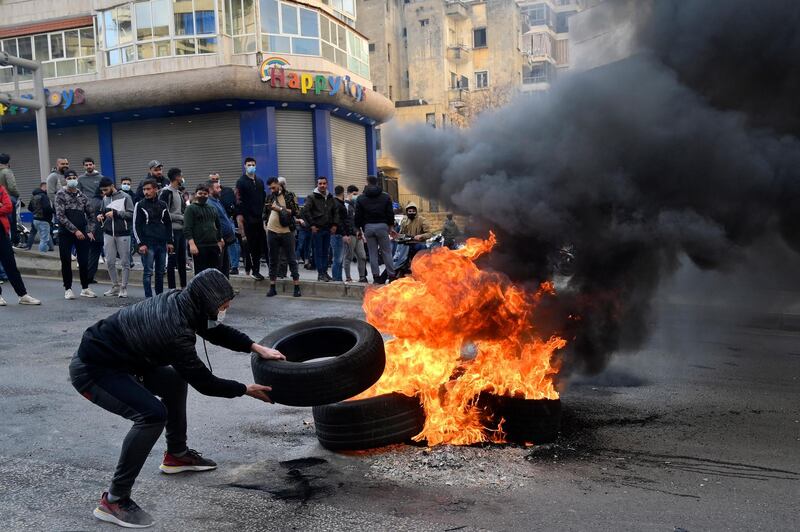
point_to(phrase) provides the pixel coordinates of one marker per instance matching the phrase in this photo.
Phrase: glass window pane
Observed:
(160, 14)
(6, 75)
(66, 68)
(124, 24)
(144, 23)
(114, 57)
(325, 29)
(128, 54)
(328, 53)
(205, 21)
(237, 16)
(289, 19)
(269, 16)
(207, 45)
(86, 65)
(25, 48)
(41, 47)
(277, 44)
(163, 48)
(184, 18)
(71, 43)
(109, 28)
(56, 46)
(352, 63)
(349, 7)
(145, 51)
(185, 47)
(10, 46)
(309, 23)
(250, 19)
(305, 46)
(342, 37)
(87, 42)
(48, 70)
(341, 58)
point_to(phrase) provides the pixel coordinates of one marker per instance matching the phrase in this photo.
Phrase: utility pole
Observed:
(37, 103)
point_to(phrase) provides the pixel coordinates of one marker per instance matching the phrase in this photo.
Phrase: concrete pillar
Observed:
(105, 140)
(323, 154)
(372, 162)
(259, 139)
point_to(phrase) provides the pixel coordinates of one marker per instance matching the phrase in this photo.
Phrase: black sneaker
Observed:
(257, 277)
(124, 512)
(272, 292)
(322, 278)
(363, 280)
(296, 291)
(328, 278)
(234, 271)
(191, 461)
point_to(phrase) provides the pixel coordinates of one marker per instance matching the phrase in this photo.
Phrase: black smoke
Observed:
(688, 148)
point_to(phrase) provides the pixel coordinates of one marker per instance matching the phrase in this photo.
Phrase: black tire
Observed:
(357, 363)
(368, 423)
(525, 420)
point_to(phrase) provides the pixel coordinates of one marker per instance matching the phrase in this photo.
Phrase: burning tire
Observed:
(327, 360)
(526, 420)
(368, 423)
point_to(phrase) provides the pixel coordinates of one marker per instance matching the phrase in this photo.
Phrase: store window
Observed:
(481, 79)
(62, 53)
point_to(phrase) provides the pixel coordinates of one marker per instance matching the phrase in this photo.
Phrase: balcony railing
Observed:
(458, 52)
(457, 9)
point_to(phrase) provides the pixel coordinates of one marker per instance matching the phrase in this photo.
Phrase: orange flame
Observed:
(458, 331)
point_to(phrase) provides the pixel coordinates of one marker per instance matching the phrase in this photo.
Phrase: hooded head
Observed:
(208, 291)
(411, 210)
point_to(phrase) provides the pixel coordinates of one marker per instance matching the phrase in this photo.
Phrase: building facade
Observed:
(441, 62)
(197, 84)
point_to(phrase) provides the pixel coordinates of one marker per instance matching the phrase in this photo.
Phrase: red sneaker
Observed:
(124, 512)
(191, 461)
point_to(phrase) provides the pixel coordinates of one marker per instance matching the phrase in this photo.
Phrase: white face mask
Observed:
(220, 319)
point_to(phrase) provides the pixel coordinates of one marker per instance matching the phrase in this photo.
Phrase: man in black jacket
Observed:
(155, 172)
(342, 237)
(375, 219)
(322, 217)
(250, 198)
(42, 211)
(125, 361)
(152, 229)
(227, 198)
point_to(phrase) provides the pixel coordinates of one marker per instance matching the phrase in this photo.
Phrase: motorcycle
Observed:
(405, 252)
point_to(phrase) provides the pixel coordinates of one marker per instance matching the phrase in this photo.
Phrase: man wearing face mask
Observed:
(202, 230)
(117, 220)
(76, 223)
(173, 197)
(250, 198)
(124, 362)
(415, 226)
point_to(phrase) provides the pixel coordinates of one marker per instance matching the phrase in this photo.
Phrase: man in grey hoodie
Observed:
(89, 184)
(173, 197)
(116, 218)
(56, 180)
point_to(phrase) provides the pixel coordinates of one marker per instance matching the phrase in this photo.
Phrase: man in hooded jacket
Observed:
(123, 363)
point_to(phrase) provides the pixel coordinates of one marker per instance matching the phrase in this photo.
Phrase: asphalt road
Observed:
(700, 431)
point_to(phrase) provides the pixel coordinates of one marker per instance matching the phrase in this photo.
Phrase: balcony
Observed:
(458, 98)
(457, 9)
(458, 52)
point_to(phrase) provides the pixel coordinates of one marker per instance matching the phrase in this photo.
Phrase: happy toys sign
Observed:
(64, 99)
(273, 71)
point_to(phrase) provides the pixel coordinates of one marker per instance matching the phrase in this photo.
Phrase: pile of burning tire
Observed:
(331, 360)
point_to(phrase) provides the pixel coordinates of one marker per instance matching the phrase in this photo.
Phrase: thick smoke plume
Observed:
(687, 148)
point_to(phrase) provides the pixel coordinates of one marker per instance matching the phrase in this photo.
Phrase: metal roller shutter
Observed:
(295, 135)
(74, 143)
(197, 144)
(349, 147)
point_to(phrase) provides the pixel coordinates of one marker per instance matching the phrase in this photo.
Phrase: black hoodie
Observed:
(128, 340)
(374, 206)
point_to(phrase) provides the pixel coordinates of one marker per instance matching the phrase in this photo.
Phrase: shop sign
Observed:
(273, 71)
(65, 99)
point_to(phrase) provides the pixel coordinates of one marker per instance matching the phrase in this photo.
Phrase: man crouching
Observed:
(148, 350)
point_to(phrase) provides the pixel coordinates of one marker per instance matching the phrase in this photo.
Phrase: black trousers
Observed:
(93, 260)
(254, 231)
(226, 261)
(177, 259)
(65, 242)
(281, 242)
(9, 264)
(134, 398)
(207, 258)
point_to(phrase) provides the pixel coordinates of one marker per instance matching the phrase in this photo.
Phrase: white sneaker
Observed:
(123, 292)
(87, 292)
(69, 294)
(28, 300)
(2, 302)
(102, 261)
(114, 291)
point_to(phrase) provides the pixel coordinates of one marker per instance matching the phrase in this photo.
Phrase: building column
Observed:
(372, 161)
(323, 154)
(105, 140)
(259, 139)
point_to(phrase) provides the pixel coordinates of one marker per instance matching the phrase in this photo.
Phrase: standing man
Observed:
(152, 228)
(56, 181)
(250, 198)
(156, 173)
(9, 182)
(42, 211)
(225, 223)
(280, 210)
(89, 184)
(375, 220)
(227, 198)
(116, 218)
(322, 217)
(202, 231)
(7, 260)
(76, 224)
(173, 197)
(342, 237)
(354, 247)
(126, 184)
(450, 232)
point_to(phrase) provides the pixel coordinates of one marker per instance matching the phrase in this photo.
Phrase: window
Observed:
(241, 22)
(481, 79)
(388, 53)
(562, 21)
(372, 47)
(538, 15)
(390, 93)
(430, 119)
(406, 80)
(405, 32)
(479, 38)
(537, 73)
(453, 80)
(423, 22)
(62, 53)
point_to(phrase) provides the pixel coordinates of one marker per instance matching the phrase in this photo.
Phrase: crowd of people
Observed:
(90, 220)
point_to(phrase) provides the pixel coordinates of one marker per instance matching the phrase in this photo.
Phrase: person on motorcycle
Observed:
(416, 227)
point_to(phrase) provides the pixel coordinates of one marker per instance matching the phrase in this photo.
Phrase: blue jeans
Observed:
(303, 244)
(43, 228)
(336, 247)
(154, 260)
(322, 243)
(235, 253)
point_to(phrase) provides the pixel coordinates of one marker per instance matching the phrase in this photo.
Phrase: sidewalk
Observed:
(48, 265)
